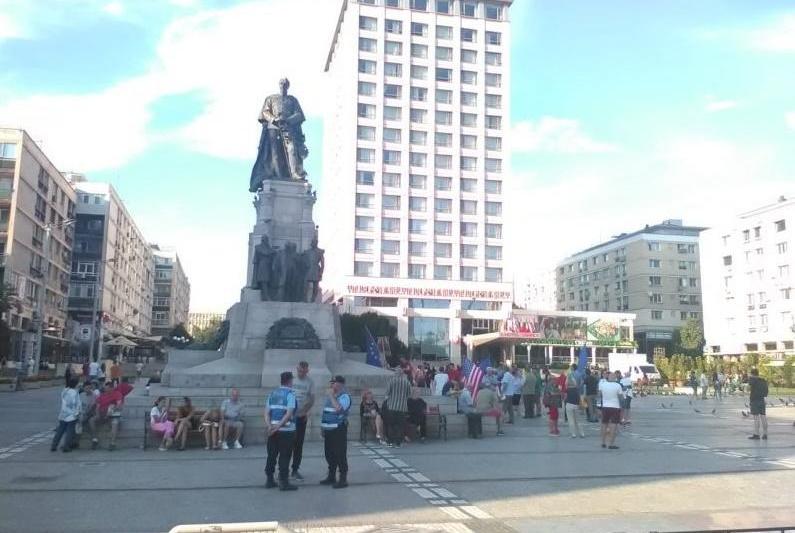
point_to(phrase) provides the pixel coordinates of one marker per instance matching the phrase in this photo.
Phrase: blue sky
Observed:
(624, 113)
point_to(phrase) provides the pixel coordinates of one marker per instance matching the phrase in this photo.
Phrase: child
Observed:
(210, 422)
(552, 399)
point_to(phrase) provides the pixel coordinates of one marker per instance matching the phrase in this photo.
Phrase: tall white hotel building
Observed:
(416, 153)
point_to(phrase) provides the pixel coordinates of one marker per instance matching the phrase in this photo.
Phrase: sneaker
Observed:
(224, 446)
(764, 437)
(206, 447)
(238, 446)
(297, 475)
(390, 445)
(753, 437)
(162, 449)
(553, 434)
(94, 444)
(574, 436)
(500, 433)
(582, 436)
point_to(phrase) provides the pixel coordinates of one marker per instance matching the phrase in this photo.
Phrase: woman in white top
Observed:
(439, 381)
(159, 422)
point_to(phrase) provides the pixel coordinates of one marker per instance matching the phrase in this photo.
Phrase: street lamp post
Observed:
(97, 321)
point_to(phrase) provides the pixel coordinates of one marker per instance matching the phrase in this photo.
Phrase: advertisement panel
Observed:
(568, 328)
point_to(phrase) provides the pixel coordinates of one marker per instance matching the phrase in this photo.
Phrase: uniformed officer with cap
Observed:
(334, 424)
(280, 425)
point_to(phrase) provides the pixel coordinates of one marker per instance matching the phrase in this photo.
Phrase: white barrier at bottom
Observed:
(242, 527)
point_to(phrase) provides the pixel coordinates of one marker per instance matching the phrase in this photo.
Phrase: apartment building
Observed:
(171, 292)
(748, 283)
(200, 321)
(416, 148)
(36, 207)
(112, 268)
(653, 273)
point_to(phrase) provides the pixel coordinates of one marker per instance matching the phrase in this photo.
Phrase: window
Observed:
(390, 270)
(494, 253)
(493, 37)
(686, 248)
(8, 155)
(390, 225)
(421, 138)
(443, 161)
(443, 205)
(444, 6)
(365, 223)
(419, 51)
(393, 70)
(469, 229)
(418, 116)
(781, 225)
(366, 111)
(469, 185)
(365, 155)
(443, 139)
(494, 231)
(418, 29)
(367, 45)
(493, 11)
(443, 96)
(493, 101)
(782, 247)
(419, 72)
(392, 112)
(391, 157)
(493, 80)
(493, 122)
(419, 5)
(654, 263)
(494, 144)
(416, 226)
(494, 209)
(443, 249)
(392, 135)
(469, 8)
(758, 232)
(442, 183)
(365, 133)
(727, 260)
(783, 271)
(469, 78)
(469, 163)
(365, 177)
(442, 272)
(444, 118)
(493, 187)
(655, 247)
(419, 94)
(442, 227)
(417, 181)
(469, 207)
(363, 246)
(390, 247)
(493, 165)
(416, 271)
(444, 53)
(365, 201)
(417, 248)
(393, 48)
(366, 88)
(392, 3)
(368, 23)
(655, 281)
(469, 273)
(494, 59)
(363, 268)
(393, 26)
(366, 66)
(469, 120)
(444, 32)
(444, 74)
(389, 201)
(469, 56)
(656, 315)
(786, 294)
(391, 179)
(494, 275)
(655, 298)
(469, 141)
(417, 203)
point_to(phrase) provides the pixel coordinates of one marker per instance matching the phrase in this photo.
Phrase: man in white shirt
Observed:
(611, 394)
(93, 370)
(439, 381)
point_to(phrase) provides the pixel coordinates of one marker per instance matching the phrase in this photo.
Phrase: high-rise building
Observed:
(112, 272)
(748, 279)
(36, 208)
(172, 292)
(199, 321)
(653, 273)
(416, 153)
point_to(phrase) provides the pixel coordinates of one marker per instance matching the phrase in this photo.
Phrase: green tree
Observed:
(689, 339)
(179, 337)
(206, 335)
(7, 296)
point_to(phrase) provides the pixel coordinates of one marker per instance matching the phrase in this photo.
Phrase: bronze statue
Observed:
(282, 147)
(263, 268)
(284, 272)
(314, 263)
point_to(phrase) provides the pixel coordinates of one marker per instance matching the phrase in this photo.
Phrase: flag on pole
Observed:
(473, 377)
(373, 355)
(582, 364)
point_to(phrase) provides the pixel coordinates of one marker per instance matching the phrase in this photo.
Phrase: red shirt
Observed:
(106, 399)
(124, 389)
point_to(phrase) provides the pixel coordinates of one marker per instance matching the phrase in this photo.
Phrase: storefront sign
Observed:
(547, 327)
(398, 291)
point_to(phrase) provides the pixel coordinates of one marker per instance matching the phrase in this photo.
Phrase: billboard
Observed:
(568, 328)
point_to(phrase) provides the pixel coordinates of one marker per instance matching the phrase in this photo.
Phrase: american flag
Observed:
(473, 375)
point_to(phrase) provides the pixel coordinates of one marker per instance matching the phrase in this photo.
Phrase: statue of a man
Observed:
(263, 268)
(314, 264)
(284, 269)
(282, 147)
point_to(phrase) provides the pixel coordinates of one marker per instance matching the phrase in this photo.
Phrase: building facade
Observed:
(112, 270)
(171, 294)
(36, 237)
(417, 143)
(653, 273)
(199, 321)
(749, 289)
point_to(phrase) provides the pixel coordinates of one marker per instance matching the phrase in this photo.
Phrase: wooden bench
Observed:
(432, 413)
(171, 416)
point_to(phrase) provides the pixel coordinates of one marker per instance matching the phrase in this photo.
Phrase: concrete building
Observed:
(36, 205)
(653, 273)
(199, 321)
(748, 284)
(172, 292)
(417, 143)
(112, 270)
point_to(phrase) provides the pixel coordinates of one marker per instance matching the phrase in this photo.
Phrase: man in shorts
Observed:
(232, 413)
(612, 395)
(758, 397)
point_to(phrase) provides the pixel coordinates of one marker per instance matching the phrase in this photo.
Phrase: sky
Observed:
(624, 113)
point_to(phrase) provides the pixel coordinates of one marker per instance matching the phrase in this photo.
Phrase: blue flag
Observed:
(582, 364)
(466, 366)
(373, 355)
(485, 363)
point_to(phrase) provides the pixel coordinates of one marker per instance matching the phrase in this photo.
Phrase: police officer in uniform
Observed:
(334, 424)
(280, 426)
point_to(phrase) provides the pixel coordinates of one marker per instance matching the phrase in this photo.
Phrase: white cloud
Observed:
(777, 37)
(552, 134)
(9, 27)
(114, 8)
(790, 120)
(720, 105)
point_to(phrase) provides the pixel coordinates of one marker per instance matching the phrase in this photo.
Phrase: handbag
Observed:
(583, 403)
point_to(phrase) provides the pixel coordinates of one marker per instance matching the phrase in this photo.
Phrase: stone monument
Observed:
(279, 319)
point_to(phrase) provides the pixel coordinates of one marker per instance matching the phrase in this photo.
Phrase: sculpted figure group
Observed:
(284, 275)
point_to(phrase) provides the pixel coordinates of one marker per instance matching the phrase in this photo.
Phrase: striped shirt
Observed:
(397, 394)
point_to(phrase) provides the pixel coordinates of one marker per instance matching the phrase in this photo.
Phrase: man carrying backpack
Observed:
(758, 397)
